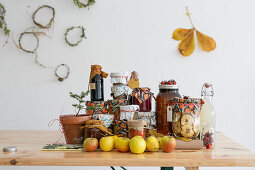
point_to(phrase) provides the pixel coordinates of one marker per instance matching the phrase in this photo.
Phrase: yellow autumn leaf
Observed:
(181, 33)
(205, 42)
(187, 45)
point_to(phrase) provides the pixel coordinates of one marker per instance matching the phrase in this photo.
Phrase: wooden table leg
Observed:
(191, 168)
(167, 168)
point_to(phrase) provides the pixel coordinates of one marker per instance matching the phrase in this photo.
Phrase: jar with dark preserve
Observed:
(142, 97)
(167, 91)
(96, 83)
(136, 128)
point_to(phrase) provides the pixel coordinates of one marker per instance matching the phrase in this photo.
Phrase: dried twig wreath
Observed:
(82, 35)
(67, 72)
(3, 24)
(83, 5)
(34, 51)
(51, 20)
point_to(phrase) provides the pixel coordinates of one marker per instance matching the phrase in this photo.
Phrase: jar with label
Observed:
(142, 97)
(167, 91)
(208, 135)
(186, 118)
(96, 83)
(136, 128)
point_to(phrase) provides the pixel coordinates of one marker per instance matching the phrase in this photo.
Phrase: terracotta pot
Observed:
(71, 126)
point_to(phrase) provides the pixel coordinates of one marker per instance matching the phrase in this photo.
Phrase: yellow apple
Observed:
(106, 143)
(152, 144)
(122, 144)
(137, 144)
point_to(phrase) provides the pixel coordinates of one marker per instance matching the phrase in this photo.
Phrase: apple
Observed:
(122, 144)
(106, 143)
(90, 144)
(152, 144)
(167, 144)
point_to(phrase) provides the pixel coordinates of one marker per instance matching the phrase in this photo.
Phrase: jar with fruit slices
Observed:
(167, 91)
(186, 118)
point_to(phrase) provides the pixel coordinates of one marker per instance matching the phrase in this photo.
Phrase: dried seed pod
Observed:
(187, 45)
(205, 42)
(181, 33)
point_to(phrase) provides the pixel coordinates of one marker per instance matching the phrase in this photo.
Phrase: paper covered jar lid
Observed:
(119, 77)
(129, 108)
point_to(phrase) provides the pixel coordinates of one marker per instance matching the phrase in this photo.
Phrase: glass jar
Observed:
(163, 107)
(136, 128)
(142, 97)
(208, 135)
(186, 119)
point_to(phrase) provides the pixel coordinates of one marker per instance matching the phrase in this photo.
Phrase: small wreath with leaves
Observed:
(51, 20)
(81, 37)
(3, 24)
(28, 33)
(83, 5)
(60, 78)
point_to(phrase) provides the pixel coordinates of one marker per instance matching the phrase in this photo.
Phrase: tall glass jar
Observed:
(208, 135)
(167, 91)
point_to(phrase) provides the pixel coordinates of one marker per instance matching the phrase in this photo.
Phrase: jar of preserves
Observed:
(167, 91)
(136, 128)
(186, 118)
(96, 83)
(119, 90)
(142, 97)
(208, 135)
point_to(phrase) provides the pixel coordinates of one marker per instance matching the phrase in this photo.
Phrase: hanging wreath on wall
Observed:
(3, 24)
(81, 36)
(47, 26)
(83, 5)
(62, 78)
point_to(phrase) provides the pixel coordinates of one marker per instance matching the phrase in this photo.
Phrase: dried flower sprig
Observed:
(187, 38)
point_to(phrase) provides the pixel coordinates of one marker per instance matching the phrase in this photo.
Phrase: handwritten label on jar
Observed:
(92, 86)
(169, 114)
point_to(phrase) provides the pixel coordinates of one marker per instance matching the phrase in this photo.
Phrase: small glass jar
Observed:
(142, 97)
(208, 135)
(136, 128)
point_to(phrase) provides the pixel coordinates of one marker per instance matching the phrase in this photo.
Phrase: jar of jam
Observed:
(142, 97)
(167, 91)
(136, 128)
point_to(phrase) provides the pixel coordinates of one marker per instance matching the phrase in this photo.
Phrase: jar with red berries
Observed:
(208, 135)
(142, 98)
(167, 91)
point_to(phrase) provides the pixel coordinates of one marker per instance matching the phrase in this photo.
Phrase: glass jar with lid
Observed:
(167, 91)
(208, 135)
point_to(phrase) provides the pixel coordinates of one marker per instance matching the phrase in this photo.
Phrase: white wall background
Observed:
(131, 35)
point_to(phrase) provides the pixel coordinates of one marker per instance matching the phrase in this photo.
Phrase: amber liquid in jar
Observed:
(163, 100)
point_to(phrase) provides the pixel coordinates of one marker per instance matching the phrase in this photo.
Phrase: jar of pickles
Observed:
(186, 120)
(142, 97)
(136, 128)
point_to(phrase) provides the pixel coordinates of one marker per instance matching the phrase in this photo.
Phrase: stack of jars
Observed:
(97, 107)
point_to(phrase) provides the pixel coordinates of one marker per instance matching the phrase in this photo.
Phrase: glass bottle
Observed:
(163, 106)
(97, 88)
(207, 114)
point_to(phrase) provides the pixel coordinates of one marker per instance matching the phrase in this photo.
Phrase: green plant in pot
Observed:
(71, 124)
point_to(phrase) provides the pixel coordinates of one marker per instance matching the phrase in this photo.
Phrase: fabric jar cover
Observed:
(118, 90)
(149, 117)
(96, 107)
(127, 112)
(120, 128)
(114, 107)
(119, 77)
(107, 118)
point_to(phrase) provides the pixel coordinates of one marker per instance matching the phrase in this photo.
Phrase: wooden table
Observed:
(227, 153)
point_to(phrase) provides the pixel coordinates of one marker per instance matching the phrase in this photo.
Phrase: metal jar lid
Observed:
(10, 149)
(166, 86)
